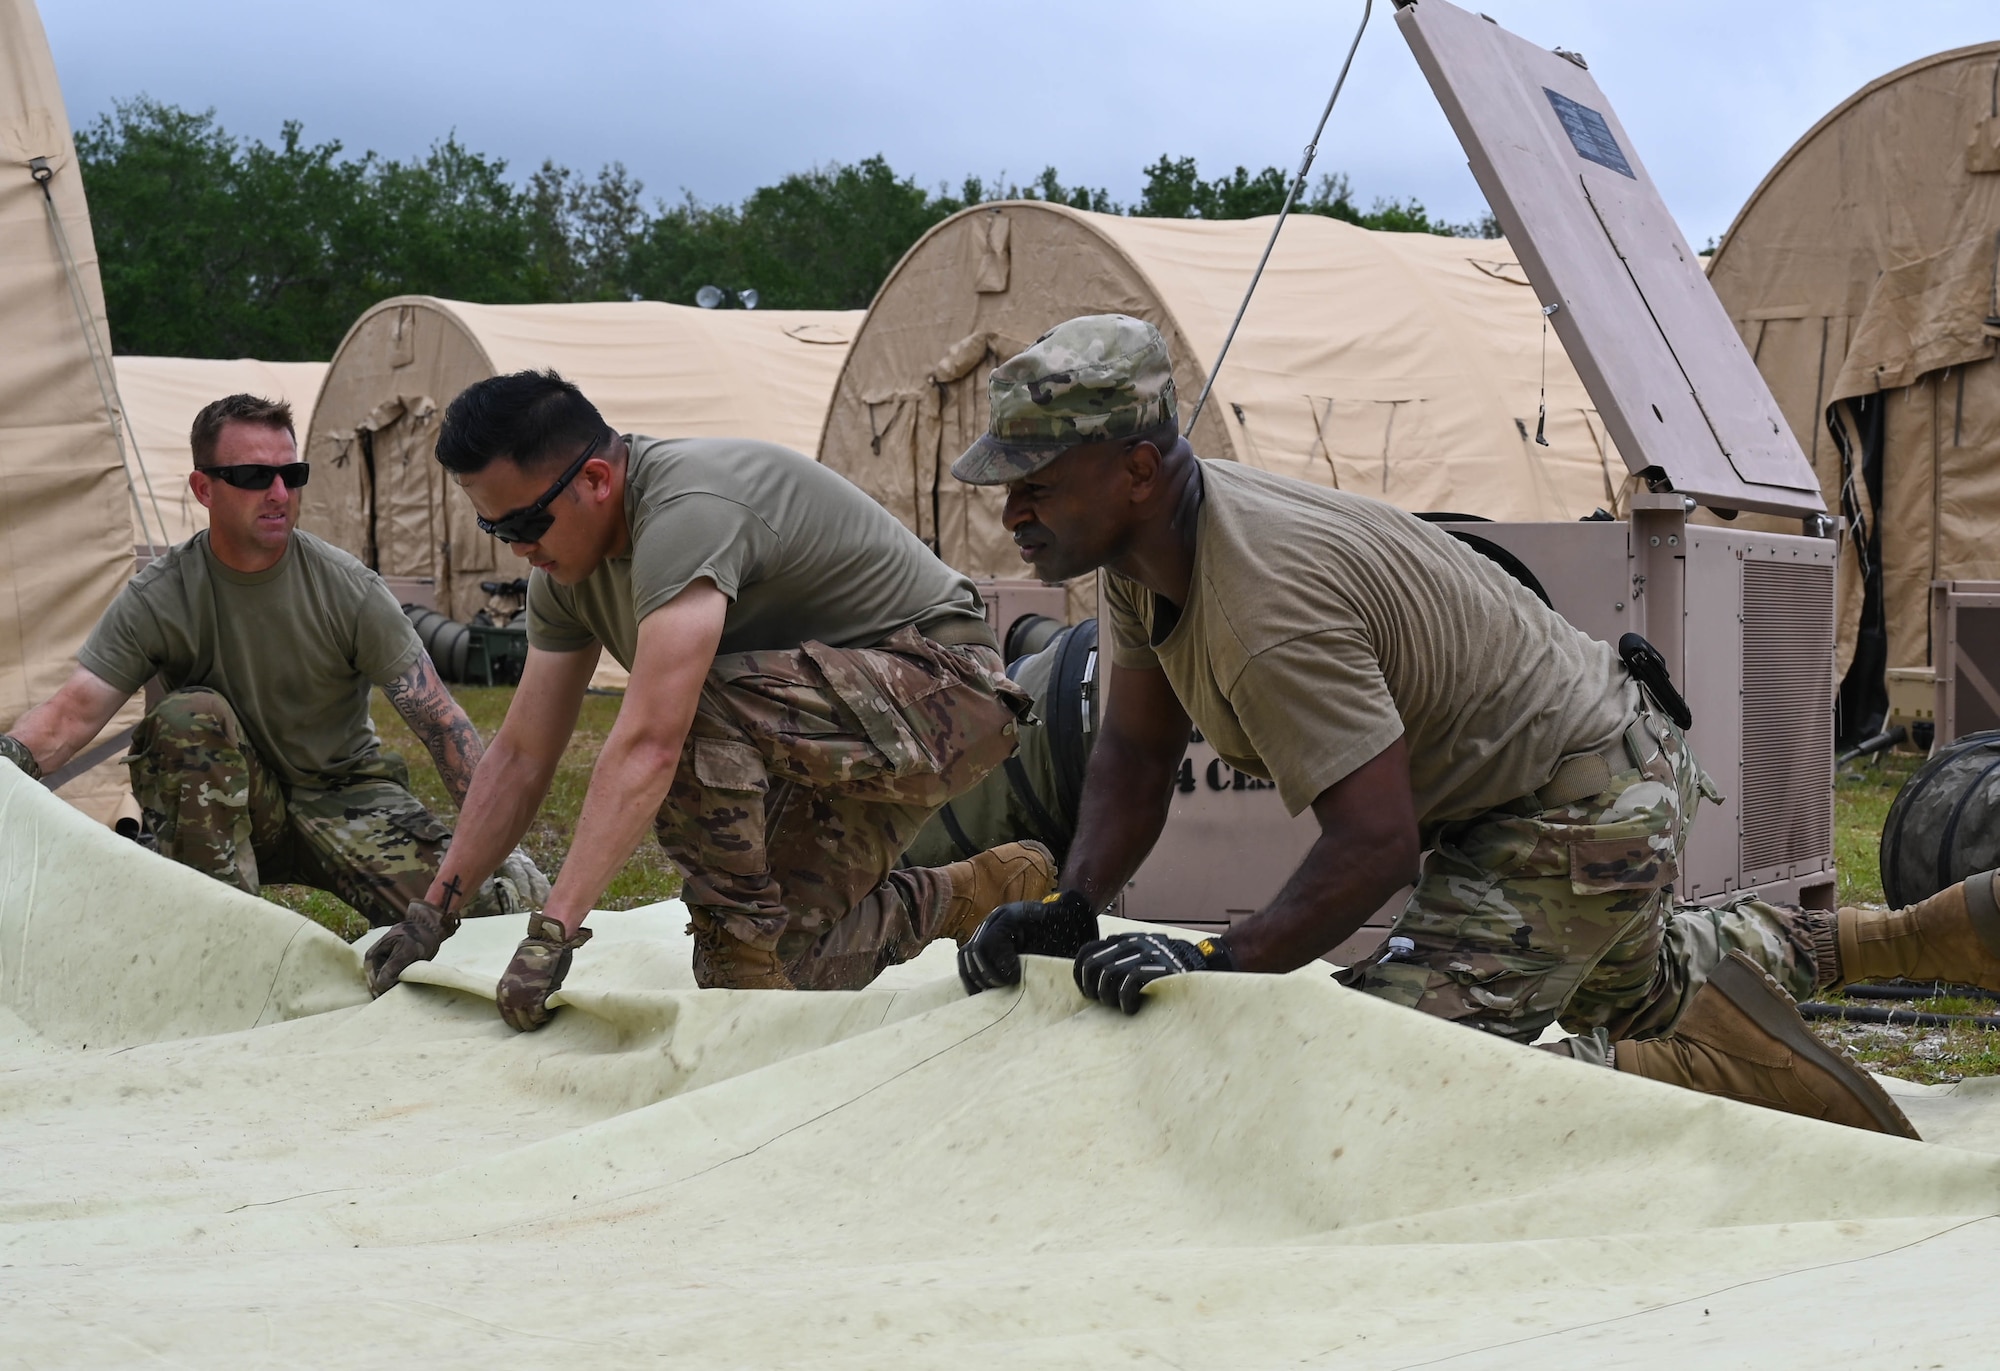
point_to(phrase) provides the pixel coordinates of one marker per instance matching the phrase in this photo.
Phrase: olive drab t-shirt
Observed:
(1322, 626)
(802, 554)
(293, 649)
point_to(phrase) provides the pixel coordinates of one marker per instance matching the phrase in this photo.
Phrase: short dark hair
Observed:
(530, 418)
(217, 415)
(1163, 436)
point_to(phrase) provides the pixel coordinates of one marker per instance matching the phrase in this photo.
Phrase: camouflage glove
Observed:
(519, 885)
(18, 752)
(416, 939)
(1115, 970)
(537, 971)
(1056, 926)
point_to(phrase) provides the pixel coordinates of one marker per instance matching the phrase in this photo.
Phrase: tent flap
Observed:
(1923, 316)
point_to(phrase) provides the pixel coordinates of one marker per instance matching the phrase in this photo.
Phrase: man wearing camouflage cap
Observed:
(809, 683)
(1443, 725)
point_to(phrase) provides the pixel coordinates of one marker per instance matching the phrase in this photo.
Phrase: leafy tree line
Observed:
(215, 246)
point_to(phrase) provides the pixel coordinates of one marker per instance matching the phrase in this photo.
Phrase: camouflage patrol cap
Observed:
(1097, 377)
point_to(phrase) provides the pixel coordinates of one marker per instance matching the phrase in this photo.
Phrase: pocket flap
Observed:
(725, 765)
(1598, 866)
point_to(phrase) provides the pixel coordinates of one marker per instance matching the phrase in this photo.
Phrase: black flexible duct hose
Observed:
(448, 641)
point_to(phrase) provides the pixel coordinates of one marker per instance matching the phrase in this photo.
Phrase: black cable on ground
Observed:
(1907, 1018)
(1917, 990)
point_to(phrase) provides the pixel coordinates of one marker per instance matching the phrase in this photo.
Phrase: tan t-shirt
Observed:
(1321, 626)
(293, 649)
(801, 553)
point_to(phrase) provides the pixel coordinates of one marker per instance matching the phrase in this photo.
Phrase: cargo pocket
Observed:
(730, 820)
(1603, 866)
(422, 825)
(889, 695)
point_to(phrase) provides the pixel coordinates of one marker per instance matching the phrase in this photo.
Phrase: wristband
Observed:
(1215, 954)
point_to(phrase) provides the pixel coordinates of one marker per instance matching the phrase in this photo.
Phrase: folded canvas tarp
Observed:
(66, 509)
(163, 394)
(668, 371)
(220, 1152)
(1404, 366)
(1862, 275)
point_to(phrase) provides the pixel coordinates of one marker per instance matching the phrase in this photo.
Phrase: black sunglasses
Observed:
(528, 523)
(256, 476)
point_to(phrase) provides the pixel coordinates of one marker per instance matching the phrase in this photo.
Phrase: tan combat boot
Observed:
(1743, 1038)
(1952, 936)
(1009, 872)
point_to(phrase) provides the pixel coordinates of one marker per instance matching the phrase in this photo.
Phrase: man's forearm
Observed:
(61, 726)
(1119, 818)
(1331, 895)
(419, 694)
(500, 803)
(1368, 849)
(456, 750)
(627, 786)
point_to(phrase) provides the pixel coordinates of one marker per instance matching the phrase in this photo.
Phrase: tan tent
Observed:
(65, 506)
(1399, 365)
(1862, 274)
(665, 370)
(163, 394)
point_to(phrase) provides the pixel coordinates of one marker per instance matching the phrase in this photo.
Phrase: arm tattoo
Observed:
(427, 707)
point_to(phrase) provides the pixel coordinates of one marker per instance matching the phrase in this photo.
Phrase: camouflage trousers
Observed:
(805, 775)
(212, 803)
(1566, 915)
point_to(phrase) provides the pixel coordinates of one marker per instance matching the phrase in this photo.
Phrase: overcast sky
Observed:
(719, 98)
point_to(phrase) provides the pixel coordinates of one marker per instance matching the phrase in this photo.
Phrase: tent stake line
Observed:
(1298, 184)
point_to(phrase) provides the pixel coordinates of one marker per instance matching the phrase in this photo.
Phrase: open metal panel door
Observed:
(1680, 394)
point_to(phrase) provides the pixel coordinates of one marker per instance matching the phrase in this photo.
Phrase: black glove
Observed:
(537, 971)
(1056, 926)
(416, 939)
(1116, 969)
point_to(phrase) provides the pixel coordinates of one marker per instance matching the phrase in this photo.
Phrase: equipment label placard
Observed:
(1590, 134)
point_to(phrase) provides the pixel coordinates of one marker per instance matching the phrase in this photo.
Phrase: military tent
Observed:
(66, 504)
(1862, 275)
(659, 369)
(1404, 366)
(163, 394)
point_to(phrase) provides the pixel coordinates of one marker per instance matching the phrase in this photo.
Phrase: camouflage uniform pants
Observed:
(805, 776)
(212, 803)
(1566, 915)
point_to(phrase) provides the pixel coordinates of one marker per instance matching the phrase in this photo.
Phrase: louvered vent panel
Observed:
(1787, 713)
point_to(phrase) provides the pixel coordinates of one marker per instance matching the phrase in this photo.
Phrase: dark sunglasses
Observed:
(256, 476)
(528, 523)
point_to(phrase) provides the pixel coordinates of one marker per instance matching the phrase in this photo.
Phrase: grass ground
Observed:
(648, 877)
(1862, 798)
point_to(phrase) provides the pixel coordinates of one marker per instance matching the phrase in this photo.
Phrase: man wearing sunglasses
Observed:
(808, 685)
(260, 765)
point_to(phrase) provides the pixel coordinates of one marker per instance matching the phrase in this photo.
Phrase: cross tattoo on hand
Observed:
(451, 893)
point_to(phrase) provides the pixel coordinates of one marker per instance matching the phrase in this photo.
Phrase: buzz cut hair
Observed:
(217, 415)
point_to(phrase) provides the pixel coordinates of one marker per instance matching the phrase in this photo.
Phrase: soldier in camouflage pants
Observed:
(806, 774)
(1566, 915)
(212, 803)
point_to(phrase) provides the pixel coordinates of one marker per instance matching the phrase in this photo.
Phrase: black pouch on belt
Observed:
(1649, 669)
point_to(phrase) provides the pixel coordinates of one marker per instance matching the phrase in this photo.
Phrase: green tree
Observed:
(583, 232)
(1175, 190)
(213, 247)
(819, 239)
